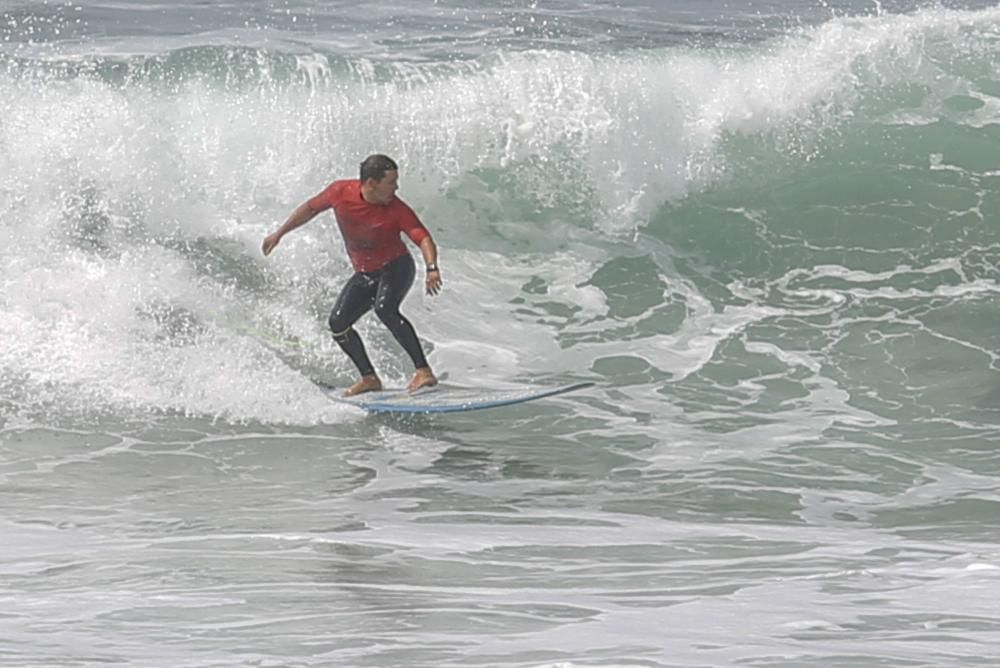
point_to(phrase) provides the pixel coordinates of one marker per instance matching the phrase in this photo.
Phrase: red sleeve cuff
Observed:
(319, 203)
(418, 234)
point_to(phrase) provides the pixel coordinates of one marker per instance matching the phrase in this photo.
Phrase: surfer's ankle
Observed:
(367, 383)
(423, 377)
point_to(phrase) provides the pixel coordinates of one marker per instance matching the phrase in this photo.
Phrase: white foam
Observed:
(107, 183)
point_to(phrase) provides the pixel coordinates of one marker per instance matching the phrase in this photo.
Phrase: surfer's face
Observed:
(382, 192)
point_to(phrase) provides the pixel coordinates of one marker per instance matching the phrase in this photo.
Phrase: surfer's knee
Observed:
(337, 324)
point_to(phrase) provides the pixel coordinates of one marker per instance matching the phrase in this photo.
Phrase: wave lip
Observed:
(163, 172)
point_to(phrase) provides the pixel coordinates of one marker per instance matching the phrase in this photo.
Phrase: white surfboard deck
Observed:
(446, 399)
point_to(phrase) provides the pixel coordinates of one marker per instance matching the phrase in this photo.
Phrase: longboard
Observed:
(446, 399)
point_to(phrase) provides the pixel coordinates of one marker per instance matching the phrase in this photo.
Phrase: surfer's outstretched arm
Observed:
(302, 215)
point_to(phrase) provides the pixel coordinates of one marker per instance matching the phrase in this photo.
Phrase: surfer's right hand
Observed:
(270, 241)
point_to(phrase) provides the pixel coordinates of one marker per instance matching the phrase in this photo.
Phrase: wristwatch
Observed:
(432, 267)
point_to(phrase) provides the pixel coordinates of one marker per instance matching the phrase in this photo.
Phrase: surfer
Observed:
(371, 217)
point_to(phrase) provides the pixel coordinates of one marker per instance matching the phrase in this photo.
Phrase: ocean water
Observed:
(767, 233)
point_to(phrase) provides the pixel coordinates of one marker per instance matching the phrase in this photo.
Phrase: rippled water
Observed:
(769, 238)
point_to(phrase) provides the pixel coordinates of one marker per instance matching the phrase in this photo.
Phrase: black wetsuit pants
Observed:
(382, 290)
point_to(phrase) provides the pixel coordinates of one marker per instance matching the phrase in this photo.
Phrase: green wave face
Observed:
(823, 200)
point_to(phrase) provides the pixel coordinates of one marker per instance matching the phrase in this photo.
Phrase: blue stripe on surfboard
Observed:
(449, 400)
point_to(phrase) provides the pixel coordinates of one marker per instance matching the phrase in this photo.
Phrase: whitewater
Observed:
(769, 237)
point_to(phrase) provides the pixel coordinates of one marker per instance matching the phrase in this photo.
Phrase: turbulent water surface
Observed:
(768, 235)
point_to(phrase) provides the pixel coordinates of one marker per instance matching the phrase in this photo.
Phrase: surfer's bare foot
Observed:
(366, 384)
(424, 377)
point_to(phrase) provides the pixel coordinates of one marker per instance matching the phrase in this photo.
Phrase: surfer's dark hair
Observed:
(375, 167)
